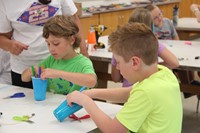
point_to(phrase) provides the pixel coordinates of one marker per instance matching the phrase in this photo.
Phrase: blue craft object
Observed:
(16, 95)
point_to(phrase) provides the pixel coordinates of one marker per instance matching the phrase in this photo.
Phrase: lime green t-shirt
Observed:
(154, 105)
(79, 64)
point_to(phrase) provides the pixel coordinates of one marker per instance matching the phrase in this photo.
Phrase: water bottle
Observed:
(175, 15)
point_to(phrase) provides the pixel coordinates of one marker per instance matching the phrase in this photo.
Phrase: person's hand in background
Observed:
(195, 9)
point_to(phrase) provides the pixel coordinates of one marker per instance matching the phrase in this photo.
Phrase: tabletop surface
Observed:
(185, 51)
(44, 120)
(188, 24)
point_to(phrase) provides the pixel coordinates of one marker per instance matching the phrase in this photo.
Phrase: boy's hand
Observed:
(49, 73)
(76, 97)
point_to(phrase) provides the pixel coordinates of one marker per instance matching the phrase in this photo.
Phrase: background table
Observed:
(44, 120)
(188, 28)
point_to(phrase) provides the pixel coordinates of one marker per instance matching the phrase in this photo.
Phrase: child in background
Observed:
(153, 104)
(142, 15)
(163, 27)
(66, 70)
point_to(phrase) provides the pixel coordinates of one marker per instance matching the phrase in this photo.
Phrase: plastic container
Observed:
(64, 110)
(39, 88)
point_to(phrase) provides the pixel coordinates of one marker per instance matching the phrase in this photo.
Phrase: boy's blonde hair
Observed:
(135, 39)
(141, 15)
(62, 26)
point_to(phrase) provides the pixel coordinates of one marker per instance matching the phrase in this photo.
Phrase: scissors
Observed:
(74, 117)
(16, 95)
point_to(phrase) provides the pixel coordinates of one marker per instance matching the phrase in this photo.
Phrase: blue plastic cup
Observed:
(64, 110)
(39, 88)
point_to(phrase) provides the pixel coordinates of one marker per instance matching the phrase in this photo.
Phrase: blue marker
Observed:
(82, 89)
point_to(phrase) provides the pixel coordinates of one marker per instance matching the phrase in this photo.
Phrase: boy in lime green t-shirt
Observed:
(153, 104)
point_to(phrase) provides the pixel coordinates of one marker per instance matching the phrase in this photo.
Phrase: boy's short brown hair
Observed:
(62, 26)
(135, 39)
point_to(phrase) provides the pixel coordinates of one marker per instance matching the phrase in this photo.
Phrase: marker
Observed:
(39, 72)
(42, 67)
(82, 89)
(188, 42)
(33, 70)
(197, 57)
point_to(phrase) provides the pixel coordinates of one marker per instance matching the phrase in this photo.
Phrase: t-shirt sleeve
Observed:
(160, 48)
(68, 7)
(5, 25)
(135, 111)
(88, 69)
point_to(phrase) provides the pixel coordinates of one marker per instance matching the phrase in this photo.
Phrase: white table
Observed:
(44, 120)
(186, 27)
(185, 51)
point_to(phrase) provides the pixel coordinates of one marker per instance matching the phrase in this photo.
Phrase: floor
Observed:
(191, 119)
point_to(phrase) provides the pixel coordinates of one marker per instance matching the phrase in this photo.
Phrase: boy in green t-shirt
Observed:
(153, 104)
(66, 70)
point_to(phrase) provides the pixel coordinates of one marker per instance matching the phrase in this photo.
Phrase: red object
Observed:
(188, 42)
(73, 116)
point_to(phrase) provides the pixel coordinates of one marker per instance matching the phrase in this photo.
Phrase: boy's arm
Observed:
(170, 60)
(14, 47)
(81, 79)
(103, 122)
(118, 95)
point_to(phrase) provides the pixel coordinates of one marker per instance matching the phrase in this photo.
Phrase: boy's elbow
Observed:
(175, 65)
(93, 82)
(23, 78)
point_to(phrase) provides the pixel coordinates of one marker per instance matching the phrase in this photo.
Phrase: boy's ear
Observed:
(72, 40)
(135, 62)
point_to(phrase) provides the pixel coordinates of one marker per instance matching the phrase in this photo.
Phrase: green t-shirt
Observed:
(79, 64)
(154, 105)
